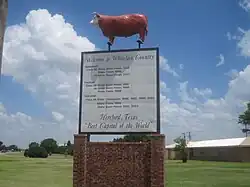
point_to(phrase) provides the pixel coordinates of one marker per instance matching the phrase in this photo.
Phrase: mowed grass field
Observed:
(56, 171)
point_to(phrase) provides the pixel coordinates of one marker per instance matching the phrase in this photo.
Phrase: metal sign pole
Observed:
(109, 46)
(139, 43)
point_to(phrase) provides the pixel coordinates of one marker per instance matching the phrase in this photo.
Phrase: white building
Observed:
(233, 149)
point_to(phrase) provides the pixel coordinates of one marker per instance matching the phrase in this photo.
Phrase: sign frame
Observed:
(158, 113)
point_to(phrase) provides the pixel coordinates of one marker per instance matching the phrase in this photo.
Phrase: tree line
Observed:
(47, 147)
(134, 138)
(43, 149)
(50, 146)
(5, 148)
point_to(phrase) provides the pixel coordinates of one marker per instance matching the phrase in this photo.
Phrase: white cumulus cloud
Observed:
(233, 73)
(203, 92)
(221, 60)
(43, 54)
(181, 66)
(163, 87)
(245, 4)
(166, 67)
(57, 116)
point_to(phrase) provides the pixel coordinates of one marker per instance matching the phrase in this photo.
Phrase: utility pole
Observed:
(3, 16)
(184, 135)
(189, 136)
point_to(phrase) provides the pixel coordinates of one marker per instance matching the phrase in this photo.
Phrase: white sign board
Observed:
(120, 91)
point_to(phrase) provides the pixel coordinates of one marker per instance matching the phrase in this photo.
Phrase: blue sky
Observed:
(191, 33)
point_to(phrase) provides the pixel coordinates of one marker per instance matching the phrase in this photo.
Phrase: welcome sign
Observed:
(120, 91)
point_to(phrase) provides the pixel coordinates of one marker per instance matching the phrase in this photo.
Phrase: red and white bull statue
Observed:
(121, 26)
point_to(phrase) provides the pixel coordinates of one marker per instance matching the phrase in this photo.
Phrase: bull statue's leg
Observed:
(111, 40)
(142, 35)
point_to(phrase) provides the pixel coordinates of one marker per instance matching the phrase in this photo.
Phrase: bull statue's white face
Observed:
(95, 20)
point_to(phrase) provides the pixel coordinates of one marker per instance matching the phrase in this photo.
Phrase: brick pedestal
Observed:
(99, 164)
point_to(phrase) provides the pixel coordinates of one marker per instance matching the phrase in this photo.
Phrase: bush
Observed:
(37, 152)
(184, 157)
(26, 153)
(64, 150)
(60, 150)
(70, 151)
(135, 138)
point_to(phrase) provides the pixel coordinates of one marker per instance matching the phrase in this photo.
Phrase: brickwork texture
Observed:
(118, 164)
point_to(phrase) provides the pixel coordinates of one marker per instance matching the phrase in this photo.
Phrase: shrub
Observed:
(181, 146)
(60, 150)
(64, 150)
(71, 152)
(37, 152)
(184, 157)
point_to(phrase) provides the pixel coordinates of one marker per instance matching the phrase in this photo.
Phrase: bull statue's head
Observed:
(95, 20)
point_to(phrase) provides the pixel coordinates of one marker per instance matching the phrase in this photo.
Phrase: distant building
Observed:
(233, 150)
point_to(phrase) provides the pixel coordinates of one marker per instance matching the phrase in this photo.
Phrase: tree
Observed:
(50, 145)
(2, 146)
(68, 143)
(60, 150)
(33, 144)
(69, 148)
(12, 148)
(244, 119)
(134, 138)
(118, 140)
(180, 146)
(26, 153)
(66, 152)
(37, 152)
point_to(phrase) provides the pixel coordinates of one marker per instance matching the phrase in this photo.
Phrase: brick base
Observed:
(123, 164)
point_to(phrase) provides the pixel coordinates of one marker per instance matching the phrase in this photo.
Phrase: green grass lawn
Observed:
(18, 171)
(207, 174)
(56, 171)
